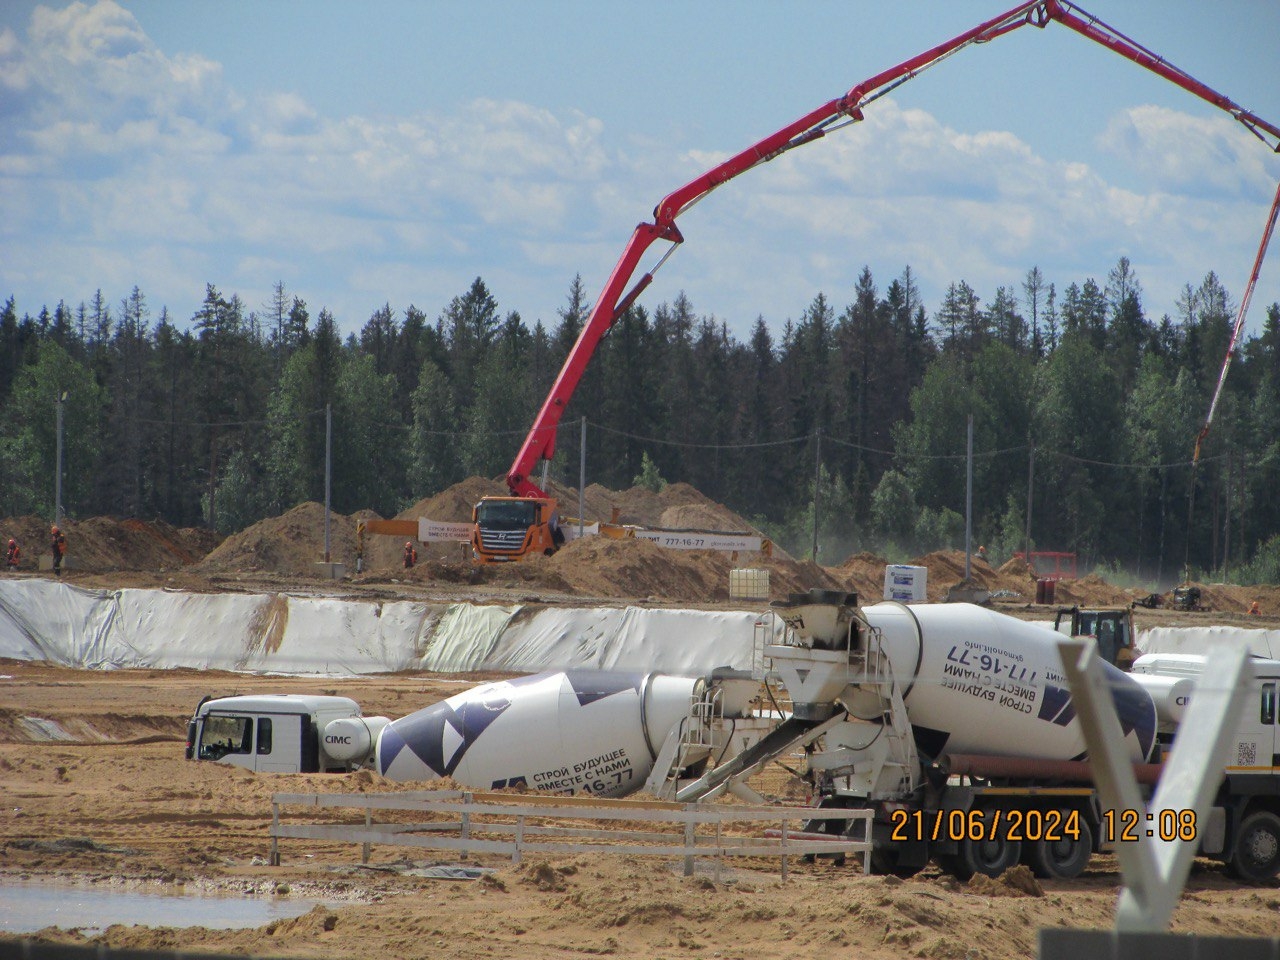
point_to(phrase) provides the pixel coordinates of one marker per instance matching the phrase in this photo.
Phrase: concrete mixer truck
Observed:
(954, 725)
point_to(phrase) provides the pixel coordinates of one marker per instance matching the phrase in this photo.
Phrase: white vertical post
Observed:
(817, 476)
(368, 825)
(328, 471)
(1031, 479)
(968, 504)
(57, 478)
(1155, 870)
(688, 839)
(582, 477)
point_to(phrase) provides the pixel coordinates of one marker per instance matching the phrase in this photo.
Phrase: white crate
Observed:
(748, 584)
(904, 583)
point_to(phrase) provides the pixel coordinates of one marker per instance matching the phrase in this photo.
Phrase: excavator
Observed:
(523, 524)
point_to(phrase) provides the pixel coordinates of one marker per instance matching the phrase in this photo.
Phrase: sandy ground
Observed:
(120, 806)
(129, 810)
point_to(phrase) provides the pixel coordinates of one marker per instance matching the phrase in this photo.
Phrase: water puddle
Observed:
(30, 905)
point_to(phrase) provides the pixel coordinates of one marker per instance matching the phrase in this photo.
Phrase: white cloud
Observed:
(1201, 156)
(146, 166)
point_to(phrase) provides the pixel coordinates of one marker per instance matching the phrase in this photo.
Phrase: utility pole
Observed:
(968, 505)
(1031, 479)
(582, 478)
(817, 475)
(328, 472)
(57, 479)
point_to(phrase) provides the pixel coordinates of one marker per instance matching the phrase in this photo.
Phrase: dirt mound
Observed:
(864, 574)
(1016, 567)
(639, 505)
(289, 544)
(454, 504)
(605, 567)
(1090, 591)
(679, 506)
(946, 569)
(103, 544)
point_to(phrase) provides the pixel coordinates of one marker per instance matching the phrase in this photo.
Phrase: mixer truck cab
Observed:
(282, 733)
(515, 528)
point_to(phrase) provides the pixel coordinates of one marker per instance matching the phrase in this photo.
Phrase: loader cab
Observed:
(1113, 630)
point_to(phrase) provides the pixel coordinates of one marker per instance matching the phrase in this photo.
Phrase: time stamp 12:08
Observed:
(1033, 826)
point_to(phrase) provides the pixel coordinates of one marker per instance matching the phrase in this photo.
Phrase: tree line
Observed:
(846, 430)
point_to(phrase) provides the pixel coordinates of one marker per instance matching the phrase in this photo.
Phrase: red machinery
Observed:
(844, 110)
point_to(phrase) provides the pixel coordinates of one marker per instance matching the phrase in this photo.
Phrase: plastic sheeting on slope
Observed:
(47, 620)
(1202, 640)
(50, 620)
(463, 638)
(682, 642)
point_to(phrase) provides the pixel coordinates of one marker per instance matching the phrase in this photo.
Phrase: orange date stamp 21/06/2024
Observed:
(980, 826)
(1033, 826)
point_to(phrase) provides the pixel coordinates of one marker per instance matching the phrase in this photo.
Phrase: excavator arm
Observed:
(843, 110)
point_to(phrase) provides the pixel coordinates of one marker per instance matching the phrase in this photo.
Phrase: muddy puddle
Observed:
(30, 905)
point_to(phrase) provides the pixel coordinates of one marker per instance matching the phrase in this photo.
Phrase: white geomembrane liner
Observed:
(278, 633)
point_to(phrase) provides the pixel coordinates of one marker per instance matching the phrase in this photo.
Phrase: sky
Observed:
(390, 152)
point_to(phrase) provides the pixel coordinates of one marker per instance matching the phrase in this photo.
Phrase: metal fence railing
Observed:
(516, 825)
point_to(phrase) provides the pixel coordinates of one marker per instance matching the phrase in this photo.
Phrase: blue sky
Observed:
(365, 153)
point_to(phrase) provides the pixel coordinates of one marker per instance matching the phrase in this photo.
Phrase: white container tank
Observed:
(977, 681)
(574, 731)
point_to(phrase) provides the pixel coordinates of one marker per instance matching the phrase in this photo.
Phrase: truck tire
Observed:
(888, 862)
(1063, 859)
(1255, 853)
(991, 856)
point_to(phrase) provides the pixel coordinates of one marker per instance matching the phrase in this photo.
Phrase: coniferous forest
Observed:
(218, 419)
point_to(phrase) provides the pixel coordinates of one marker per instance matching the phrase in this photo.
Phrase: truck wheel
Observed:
(992, 856)
(1063, 859)
(887, 862)
(1255, 854)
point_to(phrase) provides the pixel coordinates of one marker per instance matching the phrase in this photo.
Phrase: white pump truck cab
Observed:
(283, 733)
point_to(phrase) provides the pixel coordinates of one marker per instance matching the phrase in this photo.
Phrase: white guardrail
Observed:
(514, 825)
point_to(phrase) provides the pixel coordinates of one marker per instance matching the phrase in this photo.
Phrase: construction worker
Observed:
(58, 546)
(982, 553)
(410, 554)
(12, 554)
(1254, 609)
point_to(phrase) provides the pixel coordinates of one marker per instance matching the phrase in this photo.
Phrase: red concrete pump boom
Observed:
(846, 109)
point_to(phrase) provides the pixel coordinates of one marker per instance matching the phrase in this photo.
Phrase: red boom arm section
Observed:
(612, 304)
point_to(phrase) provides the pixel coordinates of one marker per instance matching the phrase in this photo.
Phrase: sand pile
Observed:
(1091, 591)
(289, 545)
(946, 569)
(678, 507)
(605, 567)
(102, 544)
(864, 574)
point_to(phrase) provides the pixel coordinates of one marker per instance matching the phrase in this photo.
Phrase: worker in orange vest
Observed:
(410, 554)
(12, 554)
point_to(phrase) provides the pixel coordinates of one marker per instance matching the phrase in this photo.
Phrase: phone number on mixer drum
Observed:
(979, 826)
